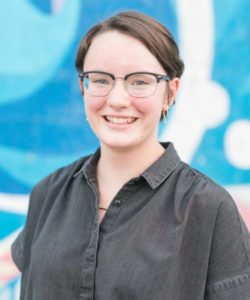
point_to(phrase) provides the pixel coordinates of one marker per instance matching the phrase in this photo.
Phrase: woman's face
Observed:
(119, 120)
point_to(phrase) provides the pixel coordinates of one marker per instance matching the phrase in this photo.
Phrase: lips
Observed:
(120, 120)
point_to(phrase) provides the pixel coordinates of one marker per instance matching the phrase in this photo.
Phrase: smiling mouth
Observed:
(120, 120)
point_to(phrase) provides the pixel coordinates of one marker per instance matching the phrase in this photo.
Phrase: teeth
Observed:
(116, 120)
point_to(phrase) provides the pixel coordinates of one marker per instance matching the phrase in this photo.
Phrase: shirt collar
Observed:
(154, 175)
(162, 167)
(89, 166)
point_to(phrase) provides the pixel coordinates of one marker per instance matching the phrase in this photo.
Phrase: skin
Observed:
(135, 142)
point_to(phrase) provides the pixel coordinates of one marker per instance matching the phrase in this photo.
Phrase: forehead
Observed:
(113, 51)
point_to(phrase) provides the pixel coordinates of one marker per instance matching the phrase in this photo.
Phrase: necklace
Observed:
(102, 208)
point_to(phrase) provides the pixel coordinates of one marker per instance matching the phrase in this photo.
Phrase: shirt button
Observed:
(117, 203)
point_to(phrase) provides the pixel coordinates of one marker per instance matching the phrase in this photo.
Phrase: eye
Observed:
(139, 83)
(101, 81)
(140, 80)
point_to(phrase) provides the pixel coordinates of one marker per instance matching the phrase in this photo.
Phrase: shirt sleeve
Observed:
(21, 246)
(229, 263)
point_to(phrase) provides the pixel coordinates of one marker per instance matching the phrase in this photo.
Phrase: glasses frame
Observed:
(158, 77)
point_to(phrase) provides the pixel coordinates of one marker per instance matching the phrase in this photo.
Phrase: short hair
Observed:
(155, 37)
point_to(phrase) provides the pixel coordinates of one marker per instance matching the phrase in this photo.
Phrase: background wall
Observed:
(42, 122)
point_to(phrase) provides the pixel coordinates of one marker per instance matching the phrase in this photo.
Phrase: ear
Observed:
(173, 87)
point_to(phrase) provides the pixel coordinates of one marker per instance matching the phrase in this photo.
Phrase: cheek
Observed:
(142, 105)
(147, 106)
(93, 104)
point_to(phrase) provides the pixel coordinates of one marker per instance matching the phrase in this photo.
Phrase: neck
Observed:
(124, 164)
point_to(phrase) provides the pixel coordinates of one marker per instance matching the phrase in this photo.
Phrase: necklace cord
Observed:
(102, 208)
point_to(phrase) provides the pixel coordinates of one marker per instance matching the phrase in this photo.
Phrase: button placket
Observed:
(116, 206)
(89, 265)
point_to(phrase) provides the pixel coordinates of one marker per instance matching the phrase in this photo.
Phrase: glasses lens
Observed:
(141, 85)
(97, 84)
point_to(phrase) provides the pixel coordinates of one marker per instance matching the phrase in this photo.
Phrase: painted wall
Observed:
(42, 122)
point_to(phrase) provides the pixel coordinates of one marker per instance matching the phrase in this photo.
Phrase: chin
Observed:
(119, 145)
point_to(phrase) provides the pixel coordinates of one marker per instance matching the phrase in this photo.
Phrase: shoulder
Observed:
(45, 193)
(199, 188)
(57, 179)
(205, 193)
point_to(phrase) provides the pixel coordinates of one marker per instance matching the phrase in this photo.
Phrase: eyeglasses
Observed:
(138, 84)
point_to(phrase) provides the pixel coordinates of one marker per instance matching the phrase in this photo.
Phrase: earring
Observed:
(164, 114)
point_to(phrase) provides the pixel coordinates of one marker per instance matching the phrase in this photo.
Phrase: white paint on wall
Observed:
(201, 103)
(14, 203)
(237, 144)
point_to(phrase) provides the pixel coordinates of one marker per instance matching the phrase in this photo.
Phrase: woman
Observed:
(131, 221)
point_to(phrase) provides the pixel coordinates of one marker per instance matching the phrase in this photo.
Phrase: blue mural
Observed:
(42, 121)
(231, 70)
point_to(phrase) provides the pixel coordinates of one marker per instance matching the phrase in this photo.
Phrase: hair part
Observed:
(156, 38)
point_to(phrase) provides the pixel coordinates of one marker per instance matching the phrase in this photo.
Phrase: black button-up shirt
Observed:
(169, 234)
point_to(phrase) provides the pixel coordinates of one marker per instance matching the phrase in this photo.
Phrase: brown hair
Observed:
(156, 37)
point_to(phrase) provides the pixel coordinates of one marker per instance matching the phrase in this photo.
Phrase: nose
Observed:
(118, 97)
